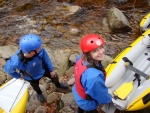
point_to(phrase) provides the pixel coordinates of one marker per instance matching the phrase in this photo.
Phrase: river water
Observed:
(47, 18)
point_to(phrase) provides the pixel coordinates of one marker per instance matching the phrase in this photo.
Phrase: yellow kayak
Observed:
(14, 96)
(129, 89)
(145, 23)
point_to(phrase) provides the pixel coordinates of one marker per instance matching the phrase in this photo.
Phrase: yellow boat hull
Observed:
(117, 75)
(145, 23)
(14, 96)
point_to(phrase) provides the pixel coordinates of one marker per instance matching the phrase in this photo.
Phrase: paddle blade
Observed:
(124, 90)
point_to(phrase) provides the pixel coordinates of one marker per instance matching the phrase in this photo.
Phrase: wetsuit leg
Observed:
(83, 111)
(92, 111)
(55, 80)
(35, 85)
(80, 110)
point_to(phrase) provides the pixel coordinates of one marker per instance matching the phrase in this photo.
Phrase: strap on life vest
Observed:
(24, 61)
(78, 70)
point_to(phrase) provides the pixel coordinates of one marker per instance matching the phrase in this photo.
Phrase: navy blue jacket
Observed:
(34, 67)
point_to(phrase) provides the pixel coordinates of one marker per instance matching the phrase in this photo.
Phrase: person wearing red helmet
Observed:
(89, 90)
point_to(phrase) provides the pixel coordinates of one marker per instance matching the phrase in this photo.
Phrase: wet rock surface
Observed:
(61, 24)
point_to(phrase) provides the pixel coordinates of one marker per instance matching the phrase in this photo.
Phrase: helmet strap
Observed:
(35, 53)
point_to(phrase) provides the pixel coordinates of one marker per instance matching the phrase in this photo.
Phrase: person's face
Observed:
(98, 53)
(38, 49)
(32, 53)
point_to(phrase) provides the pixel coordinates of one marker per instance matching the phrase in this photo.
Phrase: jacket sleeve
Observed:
(11, 66)
(96, 88)
(47, 61)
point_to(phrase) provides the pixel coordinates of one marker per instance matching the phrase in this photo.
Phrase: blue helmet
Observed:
(30, 42)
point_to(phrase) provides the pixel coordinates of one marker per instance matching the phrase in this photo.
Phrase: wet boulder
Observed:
(117, 21)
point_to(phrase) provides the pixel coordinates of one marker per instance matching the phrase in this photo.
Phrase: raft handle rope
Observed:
(17, 96)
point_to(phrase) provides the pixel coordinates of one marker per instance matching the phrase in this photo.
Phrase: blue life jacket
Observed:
(25, 61)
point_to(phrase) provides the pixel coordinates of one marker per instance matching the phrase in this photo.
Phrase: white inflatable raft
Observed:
(14, 96)
(129, 91)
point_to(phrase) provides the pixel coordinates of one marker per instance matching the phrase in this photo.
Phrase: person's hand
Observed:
(21, 77)
(53, 74)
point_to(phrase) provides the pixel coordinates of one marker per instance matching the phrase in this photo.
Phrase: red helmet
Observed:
(91, 42)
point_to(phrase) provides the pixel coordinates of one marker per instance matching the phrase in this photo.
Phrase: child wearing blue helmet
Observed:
(31, 62)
